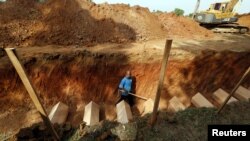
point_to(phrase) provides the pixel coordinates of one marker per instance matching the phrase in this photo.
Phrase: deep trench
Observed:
(79, 78)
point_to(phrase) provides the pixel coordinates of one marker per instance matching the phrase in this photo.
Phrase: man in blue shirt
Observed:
(125, 87)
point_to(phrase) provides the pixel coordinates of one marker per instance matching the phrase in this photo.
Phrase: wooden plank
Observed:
(29, 87)
(200, 101)
(91, 113)
(141, 97)
(242, 94)
(148, 106)
(234, 89)
(220, 96)
(161, 80)
(59, 113)
(175, 105)
(124, 114)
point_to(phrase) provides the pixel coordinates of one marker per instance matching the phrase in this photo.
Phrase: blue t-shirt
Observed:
(126, 84)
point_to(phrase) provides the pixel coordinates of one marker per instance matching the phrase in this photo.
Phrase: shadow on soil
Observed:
(57, 22)
(206, 73)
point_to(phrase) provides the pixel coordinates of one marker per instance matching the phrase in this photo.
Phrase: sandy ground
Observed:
(181, 48)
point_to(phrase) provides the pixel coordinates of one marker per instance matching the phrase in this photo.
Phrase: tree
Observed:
(179, 12)
(190, 15)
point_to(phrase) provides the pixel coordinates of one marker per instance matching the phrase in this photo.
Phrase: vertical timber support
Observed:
(29, 87)
(161, 80)
(233, 91)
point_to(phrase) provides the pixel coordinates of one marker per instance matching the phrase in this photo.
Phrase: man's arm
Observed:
(121, 86)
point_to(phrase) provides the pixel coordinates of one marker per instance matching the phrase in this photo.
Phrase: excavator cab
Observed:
(218, 13)
(220, 7)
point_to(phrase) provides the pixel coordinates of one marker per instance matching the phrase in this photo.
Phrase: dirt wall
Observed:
(83, 76)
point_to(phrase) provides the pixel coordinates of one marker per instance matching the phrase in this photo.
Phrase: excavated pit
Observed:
(79, 77)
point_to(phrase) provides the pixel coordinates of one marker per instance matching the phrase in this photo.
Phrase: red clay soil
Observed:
(145, 24)
(80, 22)
(182, 26)
(78, 78)
(74, 22)
(244, 20)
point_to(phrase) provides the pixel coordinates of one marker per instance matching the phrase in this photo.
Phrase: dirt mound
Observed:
(141, 19)
(244, 20)
(182, 26)
(81, 22)
(17, 21)
(57, 22)
(71, 22)
(77, 22)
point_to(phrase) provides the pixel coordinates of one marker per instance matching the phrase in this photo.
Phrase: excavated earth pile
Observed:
(244, 20)
(145, 24)
(80, 22)
(77, 22)
(182, 26)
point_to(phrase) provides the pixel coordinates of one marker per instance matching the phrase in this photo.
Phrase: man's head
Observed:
(128, 73)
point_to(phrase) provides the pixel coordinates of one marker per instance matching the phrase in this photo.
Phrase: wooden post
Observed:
(29, 87)
(233, 91)
(161, 80)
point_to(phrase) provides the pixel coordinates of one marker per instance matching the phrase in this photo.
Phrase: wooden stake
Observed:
(233, 91)
(161, 80)
(29, 87)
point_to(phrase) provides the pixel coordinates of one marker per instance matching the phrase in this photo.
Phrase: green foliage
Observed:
(190, 15)
(158, 11)
(179, 12)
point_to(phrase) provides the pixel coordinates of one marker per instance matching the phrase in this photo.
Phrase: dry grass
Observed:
(189, 125)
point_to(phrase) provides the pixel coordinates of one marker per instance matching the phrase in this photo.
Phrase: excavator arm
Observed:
(231, 5)
(196, 8)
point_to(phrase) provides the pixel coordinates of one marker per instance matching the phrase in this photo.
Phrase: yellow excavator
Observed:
(220, 17)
